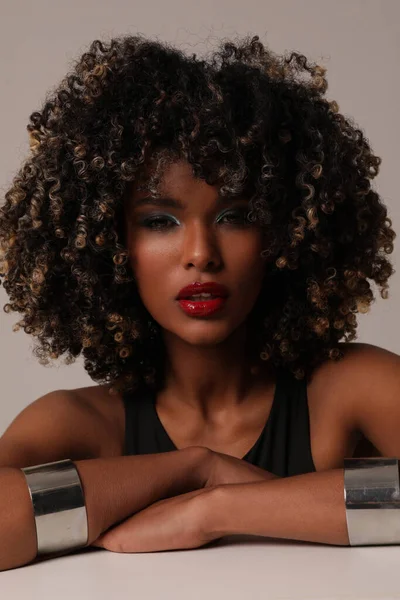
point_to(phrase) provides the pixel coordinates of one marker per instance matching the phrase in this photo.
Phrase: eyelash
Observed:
(164, 222)
(158, 222)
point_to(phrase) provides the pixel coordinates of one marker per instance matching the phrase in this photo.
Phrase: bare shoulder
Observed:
(107, 406)
(357, 399)
(362, 366)
(78, 423)
(107, 410)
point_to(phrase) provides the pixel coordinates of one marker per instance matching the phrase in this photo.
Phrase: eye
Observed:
(159, 222)
(237, 216)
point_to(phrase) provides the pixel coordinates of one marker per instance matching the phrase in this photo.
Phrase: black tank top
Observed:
(283, 447)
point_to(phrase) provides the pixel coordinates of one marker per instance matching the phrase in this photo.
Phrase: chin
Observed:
(204, 341)
(205, 334)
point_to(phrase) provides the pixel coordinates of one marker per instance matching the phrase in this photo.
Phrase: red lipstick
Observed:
(202, 299)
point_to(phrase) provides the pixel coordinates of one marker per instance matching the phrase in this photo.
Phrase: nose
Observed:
(200, 249)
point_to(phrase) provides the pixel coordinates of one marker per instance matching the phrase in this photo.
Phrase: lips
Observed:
(202, 299)
(215, 289)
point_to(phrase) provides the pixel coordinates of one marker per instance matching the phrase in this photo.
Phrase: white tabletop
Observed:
(233, 568)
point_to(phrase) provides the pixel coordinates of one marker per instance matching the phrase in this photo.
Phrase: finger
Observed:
(99, 543)
(140, 533)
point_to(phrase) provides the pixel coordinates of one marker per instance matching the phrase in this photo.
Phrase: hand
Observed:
(224, 469)
(176, 523)
(183, 521)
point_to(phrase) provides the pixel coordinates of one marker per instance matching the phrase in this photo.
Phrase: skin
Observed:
(220, 399)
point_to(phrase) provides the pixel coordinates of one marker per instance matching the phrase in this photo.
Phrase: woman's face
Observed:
(191, 236)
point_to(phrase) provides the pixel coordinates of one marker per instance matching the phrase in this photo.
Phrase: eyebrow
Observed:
(169, 202)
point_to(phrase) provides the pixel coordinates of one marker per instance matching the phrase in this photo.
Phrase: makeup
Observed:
(202, 299)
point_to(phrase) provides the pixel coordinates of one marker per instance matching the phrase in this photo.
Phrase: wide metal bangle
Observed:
(59, 506)
(372, 499)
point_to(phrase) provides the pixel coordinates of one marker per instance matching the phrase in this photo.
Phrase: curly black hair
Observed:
(247, 120)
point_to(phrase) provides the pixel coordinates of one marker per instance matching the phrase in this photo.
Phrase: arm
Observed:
(307, 507)
(114, 489)
(311, 507)
(118, 487)
(57, 427)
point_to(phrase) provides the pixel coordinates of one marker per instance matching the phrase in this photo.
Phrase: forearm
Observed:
(307, 507)
(114, 489)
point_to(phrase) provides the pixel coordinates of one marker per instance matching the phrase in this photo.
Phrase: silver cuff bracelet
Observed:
(59, 506)
(372, 495)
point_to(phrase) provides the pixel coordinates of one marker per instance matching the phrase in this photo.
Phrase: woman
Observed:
(203, 233)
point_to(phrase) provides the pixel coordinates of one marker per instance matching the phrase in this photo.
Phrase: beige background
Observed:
(357, 40)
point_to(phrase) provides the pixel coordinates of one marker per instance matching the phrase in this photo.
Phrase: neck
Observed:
(209, 379)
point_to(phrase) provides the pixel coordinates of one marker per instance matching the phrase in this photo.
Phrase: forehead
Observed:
(179, 175)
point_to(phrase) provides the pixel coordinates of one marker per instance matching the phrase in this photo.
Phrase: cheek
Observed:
(245, 258)
(150, 262)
